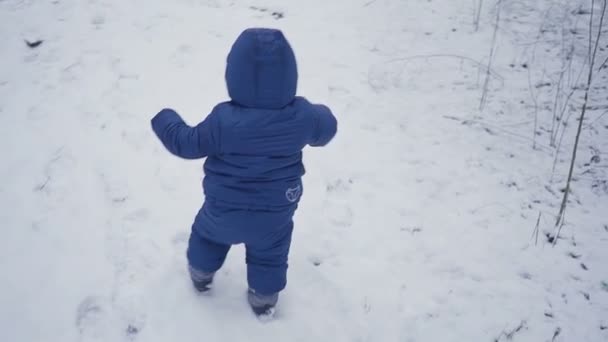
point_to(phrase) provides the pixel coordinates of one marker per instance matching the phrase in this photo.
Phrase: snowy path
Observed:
(416, 221)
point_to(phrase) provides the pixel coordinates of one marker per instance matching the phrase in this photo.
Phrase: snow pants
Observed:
(266, 235)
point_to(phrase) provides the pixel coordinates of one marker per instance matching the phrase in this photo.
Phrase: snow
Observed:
(417, 222)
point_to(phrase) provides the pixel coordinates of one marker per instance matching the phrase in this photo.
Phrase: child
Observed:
(253, 170)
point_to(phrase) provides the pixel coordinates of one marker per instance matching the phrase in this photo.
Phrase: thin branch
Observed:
(559, 147)
(591, 30)
(478, 14)
(562, 210)
(556, 334)
(569, 56)
(509, 335)
(536, 229)
(541, 32)
(564, 122)
(597, 119)
(555, 120)
(604, 65)
(493, 128)
(476, 62)
(535, 99)
(484, 95)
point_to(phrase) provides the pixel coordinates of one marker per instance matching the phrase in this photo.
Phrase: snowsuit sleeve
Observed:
(181, 139)
(324, 126)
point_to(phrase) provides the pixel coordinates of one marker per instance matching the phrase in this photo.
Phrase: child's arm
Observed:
(325, 125)
(179, 138)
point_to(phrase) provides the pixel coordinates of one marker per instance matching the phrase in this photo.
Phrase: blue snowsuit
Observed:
(253, 145)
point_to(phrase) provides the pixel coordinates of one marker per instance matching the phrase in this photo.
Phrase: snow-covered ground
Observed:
(417, 222)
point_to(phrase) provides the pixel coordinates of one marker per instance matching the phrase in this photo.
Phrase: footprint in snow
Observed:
(132, 331)
(340, 186)
(341, 217)
(92, 318)
(98, 21)
(94, 321)
(180, 238)
(138, 215)
(525, 275)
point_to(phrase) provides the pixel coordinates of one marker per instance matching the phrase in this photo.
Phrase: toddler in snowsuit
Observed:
(253, 145)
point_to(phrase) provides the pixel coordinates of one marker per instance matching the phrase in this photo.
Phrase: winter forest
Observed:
(463, 198)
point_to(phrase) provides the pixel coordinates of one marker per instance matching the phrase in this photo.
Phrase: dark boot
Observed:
(202, 281)
(262, 305)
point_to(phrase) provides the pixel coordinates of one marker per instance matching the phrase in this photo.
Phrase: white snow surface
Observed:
(417, 222)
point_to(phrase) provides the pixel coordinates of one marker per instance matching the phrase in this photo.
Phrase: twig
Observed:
(558, 148)
(604, 65)
(476, 62)
(42, 186)
(489, 205)
(541, 32)
(556, 333)
(591, 30)
(509, 335)
(562, 210)
(558, 118)
(499, 128)
(555, 119)
(597, 119)
(561, 139)
(484, 94)
(478, 14)
(536, 229)
(535, 99)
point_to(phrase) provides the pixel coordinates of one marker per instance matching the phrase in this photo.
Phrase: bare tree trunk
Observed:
(592, 55)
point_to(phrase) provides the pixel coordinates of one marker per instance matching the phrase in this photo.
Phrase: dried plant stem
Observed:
(593, 53)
